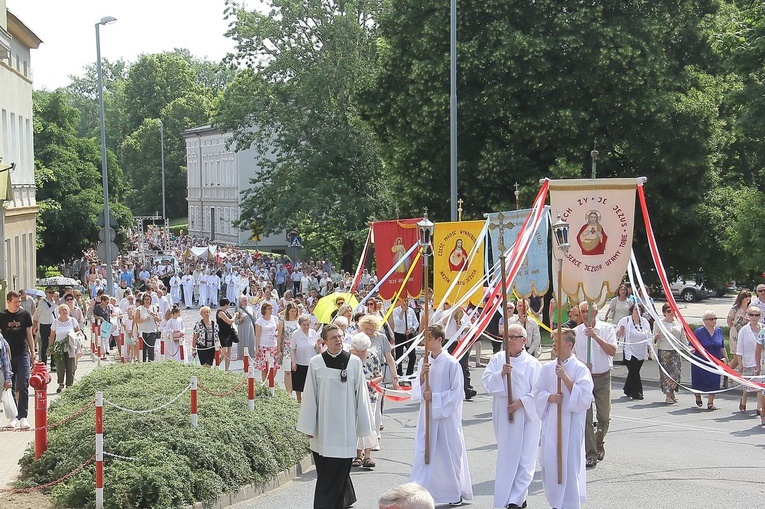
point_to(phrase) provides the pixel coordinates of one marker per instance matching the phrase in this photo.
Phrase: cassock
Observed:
(175, 289)
(188, 289)
(336, 414)
(517, 441)
(447, 478)
(572, 492)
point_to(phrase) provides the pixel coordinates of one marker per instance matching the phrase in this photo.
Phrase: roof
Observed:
(21, 32)
(202, 129)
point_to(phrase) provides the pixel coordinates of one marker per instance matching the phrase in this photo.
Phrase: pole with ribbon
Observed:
(560, 231)
(425, 227)
(505, 334)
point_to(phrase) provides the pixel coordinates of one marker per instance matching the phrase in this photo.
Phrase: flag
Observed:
(452, 243)
(533, 277)
(392, 240)
(601, 215)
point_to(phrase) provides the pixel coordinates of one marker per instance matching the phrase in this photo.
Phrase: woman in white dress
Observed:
(175, 335)
(268, 335)
(289, 324)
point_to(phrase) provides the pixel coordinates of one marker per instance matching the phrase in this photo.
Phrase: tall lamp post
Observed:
(425, 227)
(162, 149)
(560, 231)
(104, 171)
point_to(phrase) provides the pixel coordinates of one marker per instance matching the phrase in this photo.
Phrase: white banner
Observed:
(601, 215)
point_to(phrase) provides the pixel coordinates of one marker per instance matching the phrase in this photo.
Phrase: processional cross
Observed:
(501, 226)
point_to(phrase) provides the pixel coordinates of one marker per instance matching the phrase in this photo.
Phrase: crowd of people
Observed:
(262, 306)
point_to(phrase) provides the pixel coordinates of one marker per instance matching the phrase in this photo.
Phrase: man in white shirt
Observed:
(601, 338)
(760, 302)
(405, 324)
(42, 321)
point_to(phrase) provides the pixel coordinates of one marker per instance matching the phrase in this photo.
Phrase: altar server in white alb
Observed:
(517, 441)
(334, 414)
(575, 400)
(447, 477)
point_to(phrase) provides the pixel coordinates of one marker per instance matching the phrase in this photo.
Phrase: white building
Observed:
(216, 176)
(18, 256)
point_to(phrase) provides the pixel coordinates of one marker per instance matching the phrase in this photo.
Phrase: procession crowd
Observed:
(340, 356)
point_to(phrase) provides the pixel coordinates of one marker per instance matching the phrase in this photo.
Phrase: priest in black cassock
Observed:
(334, 414)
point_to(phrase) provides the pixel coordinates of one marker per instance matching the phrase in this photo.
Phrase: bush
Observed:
(176, 230)
(176, 464)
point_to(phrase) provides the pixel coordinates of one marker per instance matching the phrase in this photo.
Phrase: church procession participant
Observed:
(575, 400)
(334, 414)
(601, 337)
(447, 477)
(517, 441)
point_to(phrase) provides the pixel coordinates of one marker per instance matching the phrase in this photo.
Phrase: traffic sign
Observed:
(104, 232)
(112, 221)
(101, 248)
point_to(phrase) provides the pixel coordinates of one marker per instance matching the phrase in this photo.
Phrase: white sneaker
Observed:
(13, 423)
(24, 423)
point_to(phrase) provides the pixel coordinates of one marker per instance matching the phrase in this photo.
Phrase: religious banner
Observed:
(601, 215)
(533, 276)
(392, 240)
(452, 243)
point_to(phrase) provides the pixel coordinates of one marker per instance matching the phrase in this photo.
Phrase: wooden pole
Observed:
(426, 359)
(558, 338)
(505, 333)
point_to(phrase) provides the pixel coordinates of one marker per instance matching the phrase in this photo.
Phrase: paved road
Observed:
(657, 456)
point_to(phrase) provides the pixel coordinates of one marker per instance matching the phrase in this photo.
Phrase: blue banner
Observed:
(533, 276)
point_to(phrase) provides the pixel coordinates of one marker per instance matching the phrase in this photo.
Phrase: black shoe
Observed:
(469, 393)
(601, 454)
(591, 463)
(637, 396)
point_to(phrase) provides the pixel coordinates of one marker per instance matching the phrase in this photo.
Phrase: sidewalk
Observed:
(14, 443)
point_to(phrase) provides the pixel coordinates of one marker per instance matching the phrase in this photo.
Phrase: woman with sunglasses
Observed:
(711, 338)
(146, 318)
(745, 350)
(669, 358)
(737, 319)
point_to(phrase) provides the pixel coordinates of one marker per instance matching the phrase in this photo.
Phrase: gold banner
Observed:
(452, 243)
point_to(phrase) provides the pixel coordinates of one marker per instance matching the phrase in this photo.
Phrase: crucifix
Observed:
(459, 209)
(501, 226)
(517, 197)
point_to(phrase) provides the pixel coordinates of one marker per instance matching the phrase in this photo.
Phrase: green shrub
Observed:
(176, 230)
(176, 464)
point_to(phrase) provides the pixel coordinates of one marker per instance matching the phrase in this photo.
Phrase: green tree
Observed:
(537, 83)
(69, 184)
(293, 101)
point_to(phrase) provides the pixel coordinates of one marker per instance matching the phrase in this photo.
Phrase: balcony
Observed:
(5, 45)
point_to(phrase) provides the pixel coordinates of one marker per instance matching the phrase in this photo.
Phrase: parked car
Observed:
(690, 290)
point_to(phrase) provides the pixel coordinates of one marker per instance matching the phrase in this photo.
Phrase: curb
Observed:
(254, 490)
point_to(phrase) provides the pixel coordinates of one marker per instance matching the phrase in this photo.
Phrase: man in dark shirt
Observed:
(16, 327)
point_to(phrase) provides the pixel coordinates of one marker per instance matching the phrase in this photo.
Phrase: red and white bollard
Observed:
(246, 357)
(140, 347)
(99, 450)
(123, 351)
(194, 401)
(162, 348)
(181, 350)
(217, 355)
(39, 381)
(251, 388)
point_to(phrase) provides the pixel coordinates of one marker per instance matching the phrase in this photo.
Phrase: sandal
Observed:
(698, 400)
(711, 407)
(356, 462)
(368, 463)
(60, 388)
(741, 406)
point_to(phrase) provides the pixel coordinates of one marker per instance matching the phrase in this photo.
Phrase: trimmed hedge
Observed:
(176, 464)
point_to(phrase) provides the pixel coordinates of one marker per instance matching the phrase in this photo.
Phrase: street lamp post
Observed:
(162, 148)
(104, 171)
(425, 227)
(560, 232)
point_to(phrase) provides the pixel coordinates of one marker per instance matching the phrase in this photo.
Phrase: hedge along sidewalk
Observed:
(176, 464)
(14, 445)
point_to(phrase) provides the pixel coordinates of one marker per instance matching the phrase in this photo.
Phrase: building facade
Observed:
(18, 214)
(216, 177)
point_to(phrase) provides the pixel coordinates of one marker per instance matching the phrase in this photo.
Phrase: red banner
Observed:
(392, 240)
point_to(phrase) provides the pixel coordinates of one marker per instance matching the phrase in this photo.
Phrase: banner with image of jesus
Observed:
(452, 245)
(601, 215)
(392, 240)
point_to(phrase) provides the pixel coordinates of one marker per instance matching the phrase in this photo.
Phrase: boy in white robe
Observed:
(517, 441)
(575, 400)
(447, 477)
(335, 380)
(188, 289)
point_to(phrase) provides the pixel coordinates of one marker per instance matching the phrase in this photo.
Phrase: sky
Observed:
(67, 29)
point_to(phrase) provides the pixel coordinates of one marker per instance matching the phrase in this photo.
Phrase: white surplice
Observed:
(335, 413)
(447, 477)
(572, 492)
(517, 442)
